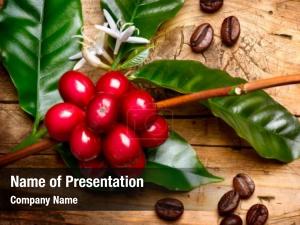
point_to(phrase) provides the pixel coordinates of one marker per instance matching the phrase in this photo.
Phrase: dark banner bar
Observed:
(59, 189)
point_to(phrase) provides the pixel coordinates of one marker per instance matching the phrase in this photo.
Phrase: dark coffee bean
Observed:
(244, 185)
(169, 209)
(228, 203)
(232, 220)
(202, 38)
(230, 31)
(210, 6)
(257, 215)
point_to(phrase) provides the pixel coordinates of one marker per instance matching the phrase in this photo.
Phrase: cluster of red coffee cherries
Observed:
(107, 125)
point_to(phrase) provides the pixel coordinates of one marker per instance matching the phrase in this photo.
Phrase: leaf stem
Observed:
(36, 125)
(116, 61)
(176, 101)
(31, 139)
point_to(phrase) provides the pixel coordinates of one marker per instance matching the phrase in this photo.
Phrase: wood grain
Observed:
(269, 45)
(125, 218)
(197, 130)
(207, 130)
(8, 92)
(283, 205)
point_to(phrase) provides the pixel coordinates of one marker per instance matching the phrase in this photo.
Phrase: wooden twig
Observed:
(176, 101)
(42, 145)
(227, 91)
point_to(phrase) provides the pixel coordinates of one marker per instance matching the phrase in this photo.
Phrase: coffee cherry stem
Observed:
(172, 102)
(229, 91)
(40, 146)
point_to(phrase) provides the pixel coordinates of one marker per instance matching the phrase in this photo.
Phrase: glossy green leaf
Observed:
(35, 44)
(31, 139)
(174, 165)
(272, 131)
(71, 162)
(136, 58)
(146, 15)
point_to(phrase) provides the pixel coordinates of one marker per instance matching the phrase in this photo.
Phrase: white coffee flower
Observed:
(122, 35)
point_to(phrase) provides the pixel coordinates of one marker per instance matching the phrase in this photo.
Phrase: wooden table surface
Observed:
(269, 46)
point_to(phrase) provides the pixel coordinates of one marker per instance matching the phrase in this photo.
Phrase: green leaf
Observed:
(272, 131)
(146, 15)
(136, 58)
(35, 43)
(175, 166)
(71, 162)
(30, 139)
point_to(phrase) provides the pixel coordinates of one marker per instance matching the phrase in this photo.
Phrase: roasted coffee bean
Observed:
(230, 31)
(202, 38)
(244, 185)
(257, 215)
(232, 220)
(228, 203)
(169, 209)
(210, 6)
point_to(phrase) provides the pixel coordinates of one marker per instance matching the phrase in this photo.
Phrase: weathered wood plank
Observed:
(101, 218)
(198, 131)
(39, 161)
(277, 186)
(265, 49)
(15, 125)
(7, 90)
(265, 172)
(281, 198)
(125, 218)
(269, 43)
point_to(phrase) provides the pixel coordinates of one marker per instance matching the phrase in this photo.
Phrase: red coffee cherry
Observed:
(156, 134)
(61, 119)
(114, 83)
(138, 109)
(85, 144)
(132, 87)
(134, 168)
(139, 162)
(76, 88)
(121, 146)
(102, 113)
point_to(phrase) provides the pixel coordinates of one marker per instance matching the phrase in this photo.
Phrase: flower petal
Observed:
(107, 30)
(79, 64)
(76, 56)
(123, 38)
(138, 40)
(117, 46)
(93, 60)
(127, 33)
(110, 20)
(90, 57)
